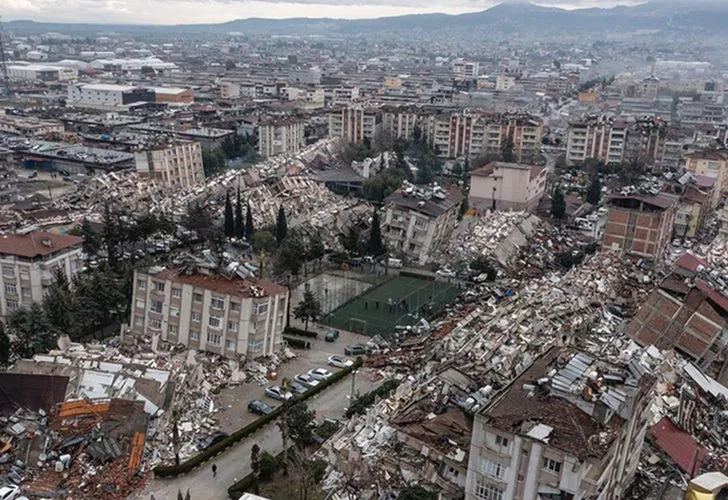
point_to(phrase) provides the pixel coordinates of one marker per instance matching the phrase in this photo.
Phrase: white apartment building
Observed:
(354, 123)
(343, 95)
(175, 164)
(28, 263)
(504, 82)
(414, 228)
(230, 316)
(229, 90)
(511, 185)
(280, 137)
(107, 95)
(470, 69)
(570, 426)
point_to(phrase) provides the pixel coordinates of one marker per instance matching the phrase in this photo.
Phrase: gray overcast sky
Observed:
(203, 11)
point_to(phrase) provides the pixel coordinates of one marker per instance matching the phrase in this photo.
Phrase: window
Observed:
(11, 290)
(141, 284)
(501, 441)
(234, 306)
(176, 292)
(174, 312)
(9, 271)
(492, 469)
(214, 339)
(197, 297)
(487, 491)
(159, 286)
(230, 345)
(138, 320)
(261, 308)
(196, 317)
(215, 321)
(155, 305)
(217, 302)
(172, 329)
(232, 326)
(11, 304)
(254, 346)
(194, 335)
(552, 465)
(155, 324)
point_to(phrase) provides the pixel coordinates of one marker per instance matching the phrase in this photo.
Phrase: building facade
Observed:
(640, 225)
(511, 185)
(568, 427)
(176, 164)
(281, 137)
(415, 227)
(28, 264)
(230, 316)
(29, 126)
(710, 163)
(107, 95)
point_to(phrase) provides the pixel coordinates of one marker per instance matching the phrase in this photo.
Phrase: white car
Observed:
(340, 361)
(9, 492)
(306, 379)
(320, 374)
(274, 392)
(445, 273)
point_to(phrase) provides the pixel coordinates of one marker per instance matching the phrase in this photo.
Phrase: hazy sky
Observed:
(202, 11)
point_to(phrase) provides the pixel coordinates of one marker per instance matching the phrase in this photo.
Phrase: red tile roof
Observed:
(236, 286)
(690, 262)
(679, 445)
(36, 244)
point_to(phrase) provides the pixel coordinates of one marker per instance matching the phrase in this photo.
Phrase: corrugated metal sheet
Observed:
(679, 445)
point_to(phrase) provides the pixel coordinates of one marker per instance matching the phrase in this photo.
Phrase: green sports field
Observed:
(397, 302)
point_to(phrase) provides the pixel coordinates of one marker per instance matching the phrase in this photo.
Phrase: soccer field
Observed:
(399, 301)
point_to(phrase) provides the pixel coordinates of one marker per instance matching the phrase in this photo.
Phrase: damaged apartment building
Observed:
(231, 314)
(569, 427)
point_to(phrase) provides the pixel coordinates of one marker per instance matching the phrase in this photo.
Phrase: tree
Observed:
(464, 207)
(291, 254)
(198, 220)
(383, 184)
(4, 345)
(507, 149)
(281, 226)
(594, 192)
(59, 304)
(457, 170)
(424, 173)
(249, 228)
(147, 71)
(229, 224)
(239, 221)
(558, 203)
(263, 241)
(255, 467)
(300, 424)
(33, 334)
(316, 248)
(101, 297)
(481, 265)
(416, 492)
(213, 161)
(375, 246)
(91, 243)
(112, 235)
(308, 309)
(351, 241)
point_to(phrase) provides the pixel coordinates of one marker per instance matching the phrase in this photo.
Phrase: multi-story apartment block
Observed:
(570, 426)
(414, 227)
(28, 263)
(280, 137)
(511, 185)
(468, 69)
(174, 164)
(230, 316)
(354, 123)
(711, 163)
(640, 225)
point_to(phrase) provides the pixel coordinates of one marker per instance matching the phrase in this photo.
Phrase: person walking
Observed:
(214, 470)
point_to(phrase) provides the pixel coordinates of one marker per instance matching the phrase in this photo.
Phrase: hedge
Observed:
(292, 330)
(297, 343)
(239, 488)
(364, 401)
(240, 434)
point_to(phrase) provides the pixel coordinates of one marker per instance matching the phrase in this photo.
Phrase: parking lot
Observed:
(234, 400)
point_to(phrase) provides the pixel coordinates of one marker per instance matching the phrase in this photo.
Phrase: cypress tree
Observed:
(229, 222)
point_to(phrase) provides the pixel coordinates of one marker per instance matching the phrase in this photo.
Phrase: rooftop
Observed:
(239, 287)
(37, 244)
(441, 201)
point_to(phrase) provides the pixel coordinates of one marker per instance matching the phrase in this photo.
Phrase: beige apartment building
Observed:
(511, 185)
(353, 123)
(414, 227)
(570, 427)
(29, 262)
(710, 163)
(174, 164)
(200, 309)
(277, 137)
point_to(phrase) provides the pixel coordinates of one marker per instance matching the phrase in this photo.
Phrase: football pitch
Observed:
(398, 302)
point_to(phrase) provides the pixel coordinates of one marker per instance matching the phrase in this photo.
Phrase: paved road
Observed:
(234, 464)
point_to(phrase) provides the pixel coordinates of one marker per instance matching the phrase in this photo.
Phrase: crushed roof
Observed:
(236, 286)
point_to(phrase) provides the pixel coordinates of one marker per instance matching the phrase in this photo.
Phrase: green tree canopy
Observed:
(229, 224)
(375, 246)
(309, 309)
(281, 226)
(300, 424)
(351, 241)
(594, 192)
(249, 227)
(264, 241)
(239, 221)
(558, 203)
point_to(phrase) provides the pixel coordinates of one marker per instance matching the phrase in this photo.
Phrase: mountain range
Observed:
(706, 16)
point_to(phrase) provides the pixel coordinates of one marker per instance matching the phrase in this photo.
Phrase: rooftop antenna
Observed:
(4, 80)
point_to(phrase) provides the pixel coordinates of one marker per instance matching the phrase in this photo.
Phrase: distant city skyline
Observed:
(217, 11)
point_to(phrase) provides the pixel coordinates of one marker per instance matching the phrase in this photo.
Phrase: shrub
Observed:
(297, 343)
(364, 401)
(291, 330)
(268, 466)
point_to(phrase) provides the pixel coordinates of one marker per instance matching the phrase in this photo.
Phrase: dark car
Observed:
(332, 335)
(297, 388)
(207, 441)
(355, 350)
(260, 407)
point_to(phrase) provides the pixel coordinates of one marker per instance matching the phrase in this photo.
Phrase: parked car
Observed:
(306, 379)
(207, 441)
(260, 407)
(298, 388)
(32, 175)
(9, 492)
(340, 361)
(275, 392)
(355, 350)
(320, 373)
(332, 335)
(445, 273)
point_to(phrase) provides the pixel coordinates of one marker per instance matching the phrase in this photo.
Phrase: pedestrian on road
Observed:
(214, 470)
